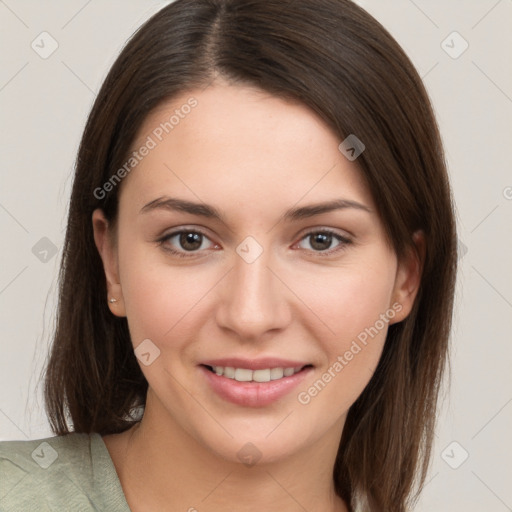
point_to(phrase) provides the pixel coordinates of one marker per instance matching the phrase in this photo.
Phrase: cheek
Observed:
(350, 365)
(357, 310)
(348, 300)
(162, 302)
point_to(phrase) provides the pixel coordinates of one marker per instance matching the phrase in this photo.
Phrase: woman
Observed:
(258, 274)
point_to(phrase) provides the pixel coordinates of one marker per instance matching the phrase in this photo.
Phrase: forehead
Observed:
(240, 145)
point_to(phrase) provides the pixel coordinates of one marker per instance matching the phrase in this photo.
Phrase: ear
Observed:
(106, 245)
(408, 277)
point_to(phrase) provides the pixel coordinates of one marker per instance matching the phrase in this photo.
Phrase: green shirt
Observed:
(64, 473)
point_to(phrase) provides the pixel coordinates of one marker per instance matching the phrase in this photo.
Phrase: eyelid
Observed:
(324, 229)
(187, 229)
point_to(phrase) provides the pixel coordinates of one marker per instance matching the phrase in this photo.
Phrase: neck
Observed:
(162, 467)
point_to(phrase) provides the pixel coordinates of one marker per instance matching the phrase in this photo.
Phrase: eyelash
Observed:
(343, 242)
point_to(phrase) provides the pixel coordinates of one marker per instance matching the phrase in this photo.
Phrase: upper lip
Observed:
(255, 364)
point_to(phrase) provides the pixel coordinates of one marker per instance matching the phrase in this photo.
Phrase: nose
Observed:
(253, 300)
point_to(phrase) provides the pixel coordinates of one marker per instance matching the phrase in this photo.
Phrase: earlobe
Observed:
(105, 243)
(408, 277)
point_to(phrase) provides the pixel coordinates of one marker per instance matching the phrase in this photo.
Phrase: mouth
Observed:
(260, 375)
(263, 383)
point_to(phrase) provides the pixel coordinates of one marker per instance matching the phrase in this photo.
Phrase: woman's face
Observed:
(246, 240)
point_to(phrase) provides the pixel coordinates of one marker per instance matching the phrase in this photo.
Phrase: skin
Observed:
(252, 156)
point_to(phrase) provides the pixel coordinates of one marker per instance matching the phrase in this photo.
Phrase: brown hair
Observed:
(335, 58)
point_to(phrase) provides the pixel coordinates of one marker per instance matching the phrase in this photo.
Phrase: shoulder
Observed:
(72, 472)
(44, 453)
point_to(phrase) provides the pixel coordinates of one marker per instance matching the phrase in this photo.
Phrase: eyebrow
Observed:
(208, 211)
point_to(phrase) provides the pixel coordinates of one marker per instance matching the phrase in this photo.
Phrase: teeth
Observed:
(243, 375)
(276, 373)
(246, 375)
(261, 375)
(229, 372)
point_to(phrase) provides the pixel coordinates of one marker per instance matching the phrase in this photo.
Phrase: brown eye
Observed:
(322, 242)
(190, 241)
(187, 242)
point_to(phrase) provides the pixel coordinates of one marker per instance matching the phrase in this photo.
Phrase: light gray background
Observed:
(44, 104)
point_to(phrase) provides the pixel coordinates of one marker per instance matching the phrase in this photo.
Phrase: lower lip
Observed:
(253, 394)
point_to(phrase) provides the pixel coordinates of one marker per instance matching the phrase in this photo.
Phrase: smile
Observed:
(265, 383)
(247, 375)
